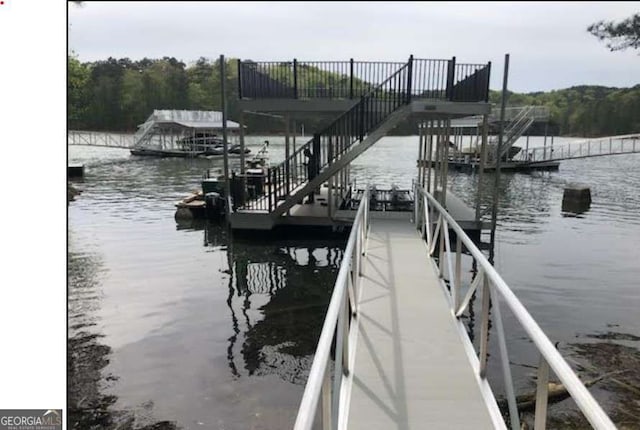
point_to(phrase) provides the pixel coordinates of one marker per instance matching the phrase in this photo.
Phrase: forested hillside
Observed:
(119, 94)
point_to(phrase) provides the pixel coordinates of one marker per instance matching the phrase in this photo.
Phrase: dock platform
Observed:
(411, 368)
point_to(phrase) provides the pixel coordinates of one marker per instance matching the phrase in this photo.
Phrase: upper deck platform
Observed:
(304, 87)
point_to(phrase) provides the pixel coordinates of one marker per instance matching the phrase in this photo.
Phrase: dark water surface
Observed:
(181, 326)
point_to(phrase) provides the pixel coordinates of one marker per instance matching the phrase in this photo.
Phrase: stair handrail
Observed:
(516, 127)
(280, 174)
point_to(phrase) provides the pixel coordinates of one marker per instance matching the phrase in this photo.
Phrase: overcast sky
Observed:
(548, 42)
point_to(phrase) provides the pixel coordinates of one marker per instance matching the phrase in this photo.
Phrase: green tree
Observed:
(77, 77)
(621, 35)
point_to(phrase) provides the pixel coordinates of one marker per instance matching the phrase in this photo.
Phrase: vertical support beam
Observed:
(458, 278)
(239, 79)
(421, 154)
(223, 102)
(332, 179)
(483, 163)
(436, 167)
(242, 159)
(445, 160)
(295, 159)
(429, 155)
(496, 191)
(287, 154)
(295, 79)
(544, 156)
(450, 78)
(351, 79)
(409, 78)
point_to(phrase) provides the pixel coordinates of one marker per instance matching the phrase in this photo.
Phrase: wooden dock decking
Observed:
(411, 370)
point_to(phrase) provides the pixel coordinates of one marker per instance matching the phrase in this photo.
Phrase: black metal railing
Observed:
(432, 78)
(329, 145)
(311, 79)
(270, 79)
(438, 79)
(471, 83)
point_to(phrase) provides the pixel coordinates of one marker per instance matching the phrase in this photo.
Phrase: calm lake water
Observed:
(182, 326)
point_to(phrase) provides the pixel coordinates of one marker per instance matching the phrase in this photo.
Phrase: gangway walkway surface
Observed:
(394, 353)
(411, 369)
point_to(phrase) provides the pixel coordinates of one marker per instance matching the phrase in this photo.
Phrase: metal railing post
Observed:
(484, 329)
(456, 290)
(409, 79)
(240, 79)
(351, 79)
(295, 78)
(450, 78)
(338, 363)
(486, 96)
(506, 366)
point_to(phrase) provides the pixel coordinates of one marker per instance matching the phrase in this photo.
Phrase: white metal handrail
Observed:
(611, 145)
(426, 211)
(341, 311)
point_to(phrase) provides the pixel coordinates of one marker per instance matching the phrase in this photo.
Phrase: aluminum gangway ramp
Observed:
(411, 369)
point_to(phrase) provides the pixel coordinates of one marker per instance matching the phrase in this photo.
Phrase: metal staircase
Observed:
(519, 120)
(380, 108)
(338, 144)
(144, 131)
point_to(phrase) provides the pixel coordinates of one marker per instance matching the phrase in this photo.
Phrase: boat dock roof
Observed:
(198, 119)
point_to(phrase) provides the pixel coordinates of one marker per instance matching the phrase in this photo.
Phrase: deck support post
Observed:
(293, 142)
(242, 159)
(436, 169)
(223, 102)
(421, 155)
(429, 166)
(456, 290)
(483, 163)
(287, 153)
(445, 160)
(496, 186)
(544, 145)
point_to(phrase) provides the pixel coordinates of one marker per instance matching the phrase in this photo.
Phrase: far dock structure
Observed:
(367, 100)
(517, 122)
(182, 133)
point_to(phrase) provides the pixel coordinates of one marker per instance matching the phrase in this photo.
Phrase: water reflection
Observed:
(90, 405)
(278, 293)
(278, 296)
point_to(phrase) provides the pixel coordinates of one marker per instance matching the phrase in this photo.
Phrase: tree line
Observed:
(119, 94)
